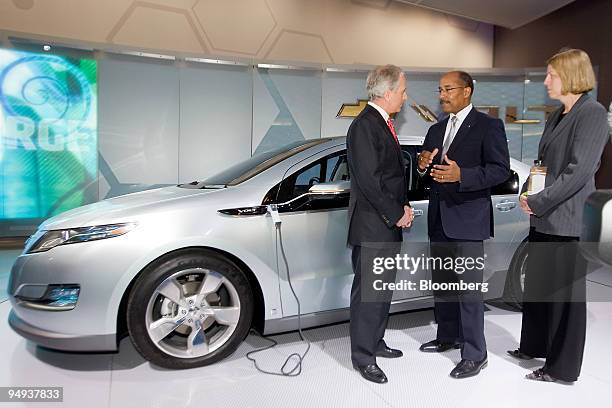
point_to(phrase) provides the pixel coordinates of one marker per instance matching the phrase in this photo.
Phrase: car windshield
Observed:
(249, 168)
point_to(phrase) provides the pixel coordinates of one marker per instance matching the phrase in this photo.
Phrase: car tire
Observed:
(515, 281)
(200, 298)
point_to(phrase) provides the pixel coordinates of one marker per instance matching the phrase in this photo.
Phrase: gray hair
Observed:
(381, 79)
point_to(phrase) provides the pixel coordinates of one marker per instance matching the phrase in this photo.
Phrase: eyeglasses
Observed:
(447, 90)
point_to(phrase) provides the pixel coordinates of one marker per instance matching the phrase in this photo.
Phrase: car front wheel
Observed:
(190, 309)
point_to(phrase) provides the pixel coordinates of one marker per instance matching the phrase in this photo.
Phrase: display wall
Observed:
(161, 122)
(48, 132)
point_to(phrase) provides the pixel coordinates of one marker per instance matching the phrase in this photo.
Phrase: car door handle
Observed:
(417, 213)
(505, 205)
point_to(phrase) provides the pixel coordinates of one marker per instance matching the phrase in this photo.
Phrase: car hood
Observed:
(124, 208)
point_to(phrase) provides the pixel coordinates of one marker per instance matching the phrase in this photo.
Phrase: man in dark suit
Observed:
(378, 211)
(463, 156)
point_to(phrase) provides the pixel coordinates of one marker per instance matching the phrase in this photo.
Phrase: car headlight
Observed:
(53, 238)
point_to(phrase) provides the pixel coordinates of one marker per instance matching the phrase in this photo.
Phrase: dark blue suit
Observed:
(462, 212)
(480, 149)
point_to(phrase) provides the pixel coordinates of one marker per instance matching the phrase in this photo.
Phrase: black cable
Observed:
(299, 357)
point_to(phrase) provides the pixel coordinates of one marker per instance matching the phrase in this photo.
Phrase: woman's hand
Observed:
(524, 205)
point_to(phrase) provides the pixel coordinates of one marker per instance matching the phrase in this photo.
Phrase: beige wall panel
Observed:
(398, 33)
(158, 27)
(239, 26)
(85, 20)
(307, 16)
(292, 45)
(316, 31)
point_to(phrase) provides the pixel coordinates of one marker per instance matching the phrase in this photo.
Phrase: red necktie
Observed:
(390, 124)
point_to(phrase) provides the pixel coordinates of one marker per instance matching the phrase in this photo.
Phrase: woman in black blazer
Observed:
(554, 304)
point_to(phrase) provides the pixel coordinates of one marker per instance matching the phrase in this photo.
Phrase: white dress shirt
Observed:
(380, 110)
(461, 115)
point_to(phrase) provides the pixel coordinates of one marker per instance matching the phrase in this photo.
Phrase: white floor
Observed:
(416, 380)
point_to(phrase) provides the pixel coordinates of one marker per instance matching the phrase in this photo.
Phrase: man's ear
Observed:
(387, 95)
(467, 92)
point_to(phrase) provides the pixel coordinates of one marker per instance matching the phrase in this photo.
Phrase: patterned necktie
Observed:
(390, 124)
(451, 136)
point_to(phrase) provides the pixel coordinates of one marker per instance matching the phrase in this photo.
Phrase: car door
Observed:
(415, 243)
(311, 244)
(511, 227)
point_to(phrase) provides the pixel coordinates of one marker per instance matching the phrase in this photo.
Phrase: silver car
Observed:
(597, 227)
(187, 270)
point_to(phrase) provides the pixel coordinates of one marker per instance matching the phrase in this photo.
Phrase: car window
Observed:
(414, 183)
(337, 169)
(418, 191)
(325, 170)
(331, 168)
(306, 179)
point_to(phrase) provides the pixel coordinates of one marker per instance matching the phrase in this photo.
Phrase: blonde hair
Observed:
(575, 70)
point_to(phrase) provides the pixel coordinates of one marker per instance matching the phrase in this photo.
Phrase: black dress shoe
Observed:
(388, 352)
(372, 372)
(519, 354)
(468, 368)
(436, 346)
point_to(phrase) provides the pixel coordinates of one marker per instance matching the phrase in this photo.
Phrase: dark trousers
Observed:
(554, 304)
(369, 309)
(459, 315)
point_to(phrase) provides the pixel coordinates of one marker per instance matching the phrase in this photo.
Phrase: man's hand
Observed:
(524, 205)
(426, 158)
(407, 218)
(446, 173)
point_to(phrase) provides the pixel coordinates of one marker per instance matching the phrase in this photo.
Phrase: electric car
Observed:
(597, 227)
(187, 270)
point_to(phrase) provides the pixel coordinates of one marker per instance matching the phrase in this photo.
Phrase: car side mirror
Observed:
(330, 190)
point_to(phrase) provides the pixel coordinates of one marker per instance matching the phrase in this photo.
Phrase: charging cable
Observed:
(297, 368)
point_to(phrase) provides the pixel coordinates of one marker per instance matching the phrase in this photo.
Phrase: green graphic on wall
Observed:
(48, 134)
